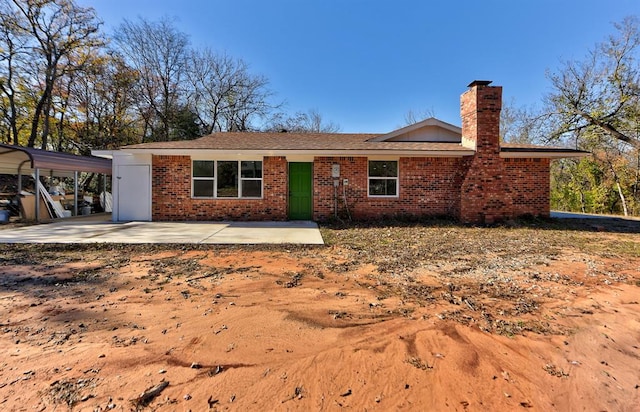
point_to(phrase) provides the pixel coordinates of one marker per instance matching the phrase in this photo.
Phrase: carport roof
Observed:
(57, 163)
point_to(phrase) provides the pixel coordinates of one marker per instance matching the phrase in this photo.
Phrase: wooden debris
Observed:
(347, 393)
(148, 395)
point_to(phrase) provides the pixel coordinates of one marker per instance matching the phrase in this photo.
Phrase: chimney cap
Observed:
(480, 83)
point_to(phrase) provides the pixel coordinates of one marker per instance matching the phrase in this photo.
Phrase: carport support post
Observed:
(75, 193)
(37, 177)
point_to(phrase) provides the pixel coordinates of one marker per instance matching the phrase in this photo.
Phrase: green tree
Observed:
(56, 31)
(104, 98)
(12, 45)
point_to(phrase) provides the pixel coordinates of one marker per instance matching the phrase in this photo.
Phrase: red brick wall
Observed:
(500, 189)
(528, 182)
(171, 194)
(427, 187)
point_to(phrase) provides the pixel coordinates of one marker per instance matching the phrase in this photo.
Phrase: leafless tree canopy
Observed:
(413, 116)
(600, 94)
(594, 105)
(66, 86)
(301, 122)
(157, 51)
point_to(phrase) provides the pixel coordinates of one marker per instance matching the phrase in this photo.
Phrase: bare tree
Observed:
(223, 93)
(600, 93)
(414, 116)
(517, 124)
(158, 52)
(248, 102)
(300, 122)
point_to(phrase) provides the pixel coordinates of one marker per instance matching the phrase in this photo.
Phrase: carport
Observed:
(27, 161)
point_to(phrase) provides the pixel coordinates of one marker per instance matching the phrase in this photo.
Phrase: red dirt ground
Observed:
(317, 329)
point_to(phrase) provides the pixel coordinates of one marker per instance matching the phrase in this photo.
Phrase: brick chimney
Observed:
(485, 195)
(480, 111)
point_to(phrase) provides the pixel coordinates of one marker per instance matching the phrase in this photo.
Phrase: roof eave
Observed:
(523, 154)
(323, 153)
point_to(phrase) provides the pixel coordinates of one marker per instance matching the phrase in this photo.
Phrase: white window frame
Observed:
(241, 179)
(396, 178)
(214, 180)
(211, 179)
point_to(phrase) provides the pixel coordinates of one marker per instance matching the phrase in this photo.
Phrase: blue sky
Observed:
(365, 63)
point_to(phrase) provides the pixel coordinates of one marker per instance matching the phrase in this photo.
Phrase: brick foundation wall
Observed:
(172, 201)
(427, 187)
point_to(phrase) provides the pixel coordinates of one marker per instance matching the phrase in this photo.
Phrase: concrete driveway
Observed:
(573, 215)
(79, 231)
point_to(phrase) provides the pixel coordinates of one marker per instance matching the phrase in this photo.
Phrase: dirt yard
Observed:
(431, 316)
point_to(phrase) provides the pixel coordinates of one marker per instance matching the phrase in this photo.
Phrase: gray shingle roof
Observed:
(311, 142)
(295, 141)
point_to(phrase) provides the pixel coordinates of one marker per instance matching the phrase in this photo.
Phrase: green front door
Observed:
(300, 189)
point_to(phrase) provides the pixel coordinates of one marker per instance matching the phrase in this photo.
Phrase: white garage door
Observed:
(134, 192)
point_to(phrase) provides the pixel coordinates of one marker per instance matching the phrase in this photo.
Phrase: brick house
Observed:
(430, 168)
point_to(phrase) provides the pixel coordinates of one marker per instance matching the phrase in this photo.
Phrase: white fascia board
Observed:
(108, 154)
(542, 155)
(240, 154)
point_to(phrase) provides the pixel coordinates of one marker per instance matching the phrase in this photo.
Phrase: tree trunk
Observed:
(624, 202)
(46, 126)
(14, 122)
(35, 121)
(87, 182)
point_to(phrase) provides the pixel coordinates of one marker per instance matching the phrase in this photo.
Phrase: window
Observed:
(251, 178)
(203, 178)
(383, 178)
(227, 184)
(227, 179)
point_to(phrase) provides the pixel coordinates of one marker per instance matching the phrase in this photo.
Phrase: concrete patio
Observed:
(232, 233)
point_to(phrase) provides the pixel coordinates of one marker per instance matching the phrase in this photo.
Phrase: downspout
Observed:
(75, 193)
(20, 206)
(37, 178)
(335, 198)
